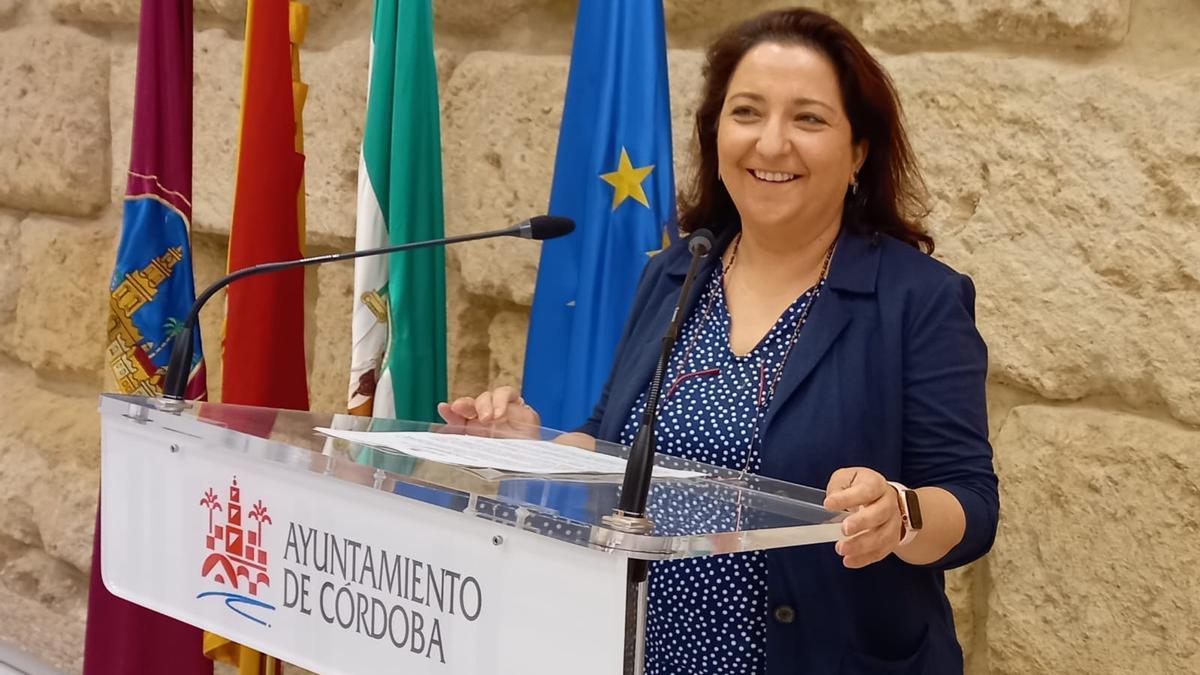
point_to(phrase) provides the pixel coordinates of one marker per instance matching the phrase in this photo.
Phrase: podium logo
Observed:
(237, 556)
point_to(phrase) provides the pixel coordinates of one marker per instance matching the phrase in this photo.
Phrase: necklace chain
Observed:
(761, 402)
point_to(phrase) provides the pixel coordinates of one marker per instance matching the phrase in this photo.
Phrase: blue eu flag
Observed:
(613, 176)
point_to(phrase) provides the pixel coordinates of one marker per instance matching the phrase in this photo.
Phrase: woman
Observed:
(823, 346)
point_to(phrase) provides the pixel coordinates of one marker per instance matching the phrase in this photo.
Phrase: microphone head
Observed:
(700, 242)
(549, 227)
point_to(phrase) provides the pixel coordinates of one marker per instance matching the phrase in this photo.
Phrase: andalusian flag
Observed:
(150, 294)
(398, 366)
(263, 348)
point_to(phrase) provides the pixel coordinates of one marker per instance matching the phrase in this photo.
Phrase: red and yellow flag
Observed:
(263, 361)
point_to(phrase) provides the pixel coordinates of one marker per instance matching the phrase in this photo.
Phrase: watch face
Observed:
(914, 509)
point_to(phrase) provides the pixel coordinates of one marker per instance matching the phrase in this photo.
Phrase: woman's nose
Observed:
(773, 140)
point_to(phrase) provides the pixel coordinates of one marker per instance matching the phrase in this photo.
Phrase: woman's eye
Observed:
(742, 111)
(809, 118)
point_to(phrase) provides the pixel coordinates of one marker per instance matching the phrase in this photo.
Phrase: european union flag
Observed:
(613, 176)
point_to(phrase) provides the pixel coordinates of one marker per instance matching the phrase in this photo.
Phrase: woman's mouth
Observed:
(773, 176)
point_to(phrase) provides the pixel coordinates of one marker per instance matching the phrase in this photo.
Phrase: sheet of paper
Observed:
(503, 454)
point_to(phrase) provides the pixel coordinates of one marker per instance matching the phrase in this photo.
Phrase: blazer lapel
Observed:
(650, 331)
(826, 322)
(853, 271)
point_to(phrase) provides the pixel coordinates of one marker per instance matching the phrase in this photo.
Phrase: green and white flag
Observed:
(398, 366)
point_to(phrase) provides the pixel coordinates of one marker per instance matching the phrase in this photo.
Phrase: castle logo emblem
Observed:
(237, 555)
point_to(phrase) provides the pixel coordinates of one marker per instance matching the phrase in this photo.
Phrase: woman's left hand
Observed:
(873, 529)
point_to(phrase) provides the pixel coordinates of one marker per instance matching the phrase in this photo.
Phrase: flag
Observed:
(398, 361)
(149, 296)
(263, 362)
(263, 359)
(613, 175)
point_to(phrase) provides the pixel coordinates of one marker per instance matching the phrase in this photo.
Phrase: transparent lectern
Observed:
(346, 558)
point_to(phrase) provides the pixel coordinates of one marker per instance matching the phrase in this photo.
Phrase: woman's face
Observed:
(783, 140)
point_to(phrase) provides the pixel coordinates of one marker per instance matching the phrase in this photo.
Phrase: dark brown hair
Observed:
(890, 198)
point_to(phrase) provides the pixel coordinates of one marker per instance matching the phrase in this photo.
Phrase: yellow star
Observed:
(627, 181)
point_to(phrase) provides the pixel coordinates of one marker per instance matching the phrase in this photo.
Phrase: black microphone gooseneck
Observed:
(635, 488)
(179, 365)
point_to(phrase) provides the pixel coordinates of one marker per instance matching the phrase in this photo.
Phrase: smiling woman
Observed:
(807, 70)
(822, 347)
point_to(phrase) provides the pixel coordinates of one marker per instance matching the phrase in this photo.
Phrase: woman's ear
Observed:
(860, 154)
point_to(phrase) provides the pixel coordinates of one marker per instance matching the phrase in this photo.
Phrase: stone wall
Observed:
(1061, 143)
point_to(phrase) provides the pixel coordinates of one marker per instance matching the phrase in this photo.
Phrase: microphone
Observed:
(537, 228)
(635, 488)
(540, 228)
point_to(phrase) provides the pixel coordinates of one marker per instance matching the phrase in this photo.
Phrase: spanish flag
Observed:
(263, 361)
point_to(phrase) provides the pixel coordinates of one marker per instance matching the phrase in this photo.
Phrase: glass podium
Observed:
(349, 557)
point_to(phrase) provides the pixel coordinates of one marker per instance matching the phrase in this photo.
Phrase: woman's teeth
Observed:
(773, 176)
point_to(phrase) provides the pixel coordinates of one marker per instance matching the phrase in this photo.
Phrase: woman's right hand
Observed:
(500, 406)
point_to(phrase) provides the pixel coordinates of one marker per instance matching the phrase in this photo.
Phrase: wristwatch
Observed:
(910, 512)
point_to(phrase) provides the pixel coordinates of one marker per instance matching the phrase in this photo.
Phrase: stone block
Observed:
(127, 11)
(684, 71)
(17, 523)
(216, 106)
(1075, 217)
(1071, 23)
(695, 23)
(122, 83)
(32, 573)
(54, 145)
(62, 310)
(122, 11)
(966, 588)
(42, 632)
(1094, 565)
(910, 23)
(10, 278)
(50, 498)
(527, 26)
(8, 8)
(500, 115)
(27, 399)
(506, 344)
(333, 128)
(329, 326)
(467, 317)
(235, 10)
(66, 513)
(1161, 36)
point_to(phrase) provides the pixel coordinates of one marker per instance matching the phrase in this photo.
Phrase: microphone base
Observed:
(625, 522)
(169, 404)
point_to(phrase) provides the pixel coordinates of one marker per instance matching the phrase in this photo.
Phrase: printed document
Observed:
(501, 454)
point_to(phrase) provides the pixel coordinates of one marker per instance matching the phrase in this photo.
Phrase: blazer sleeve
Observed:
(591, 426)
(945, 414)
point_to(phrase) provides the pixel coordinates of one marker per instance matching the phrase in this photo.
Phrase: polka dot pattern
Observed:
(709, 615)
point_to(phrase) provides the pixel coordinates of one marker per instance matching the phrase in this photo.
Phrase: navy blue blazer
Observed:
(888, 373)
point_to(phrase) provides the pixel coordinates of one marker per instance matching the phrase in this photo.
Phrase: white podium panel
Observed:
(338, 577)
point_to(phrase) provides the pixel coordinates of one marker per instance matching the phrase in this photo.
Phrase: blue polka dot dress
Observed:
(709, 615)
